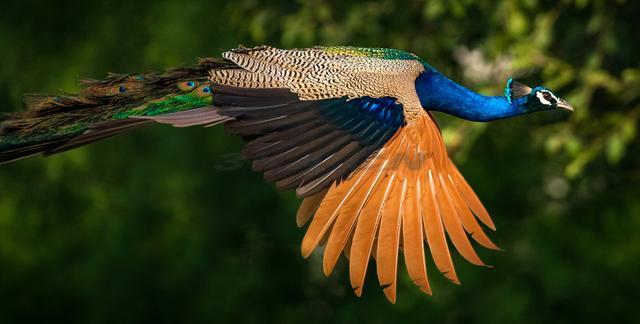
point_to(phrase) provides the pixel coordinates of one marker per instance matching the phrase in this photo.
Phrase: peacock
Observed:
(350, 129)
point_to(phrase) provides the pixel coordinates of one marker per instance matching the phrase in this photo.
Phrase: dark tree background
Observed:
(165, 225)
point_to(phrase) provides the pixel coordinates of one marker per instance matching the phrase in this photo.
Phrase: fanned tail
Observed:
(103, 108)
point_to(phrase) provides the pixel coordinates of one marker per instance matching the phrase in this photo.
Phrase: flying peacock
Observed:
(349, 129)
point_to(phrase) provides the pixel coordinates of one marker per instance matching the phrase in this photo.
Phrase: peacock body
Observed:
(347, 128)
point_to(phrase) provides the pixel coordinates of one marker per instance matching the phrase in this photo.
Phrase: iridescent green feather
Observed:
(168, 104)
(379, 53)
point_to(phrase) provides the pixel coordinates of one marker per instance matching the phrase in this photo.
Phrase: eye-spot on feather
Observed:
(204, 91)
(99, 90)
(187, 86)
(133, 86)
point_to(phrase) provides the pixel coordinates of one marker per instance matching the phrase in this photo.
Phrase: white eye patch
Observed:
(544, 101)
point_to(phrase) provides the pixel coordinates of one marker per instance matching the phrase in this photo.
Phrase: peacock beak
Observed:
(563, 104)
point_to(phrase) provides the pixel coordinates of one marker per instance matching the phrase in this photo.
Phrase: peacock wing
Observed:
(408, 193)
(373, 181)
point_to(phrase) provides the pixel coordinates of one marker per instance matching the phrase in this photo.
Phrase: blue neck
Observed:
(437, 92)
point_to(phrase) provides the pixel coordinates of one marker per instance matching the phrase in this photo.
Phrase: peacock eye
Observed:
(204, 91)
(546, 96)
(187, 86)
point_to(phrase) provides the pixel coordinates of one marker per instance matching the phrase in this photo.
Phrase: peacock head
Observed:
(533, 99)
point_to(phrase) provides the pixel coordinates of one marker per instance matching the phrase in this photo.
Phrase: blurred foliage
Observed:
(160, 226)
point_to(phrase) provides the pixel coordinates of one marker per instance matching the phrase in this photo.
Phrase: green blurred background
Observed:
(165, 225)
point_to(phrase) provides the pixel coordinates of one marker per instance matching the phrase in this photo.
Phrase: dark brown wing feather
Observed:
(301, 144)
